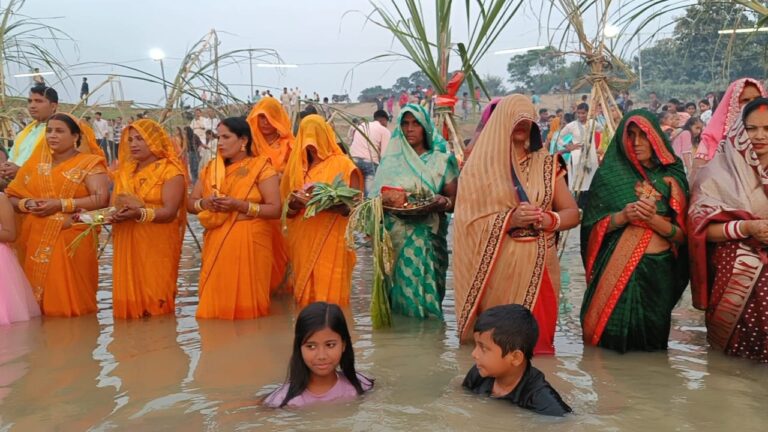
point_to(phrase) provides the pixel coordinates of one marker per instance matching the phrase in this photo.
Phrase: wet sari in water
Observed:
(64, 285)
(730, 280)
(278, 154)
(494, 264)
(237, 252)
(630, 293)
(421, 248)
(320, 260)
(146, 255)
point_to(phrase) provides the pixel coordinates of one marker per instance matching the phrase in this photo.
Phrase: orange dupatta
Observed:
(277, 154)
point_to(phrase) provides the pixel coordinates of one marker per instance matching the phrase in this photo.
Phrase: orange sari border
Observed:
(622, 263)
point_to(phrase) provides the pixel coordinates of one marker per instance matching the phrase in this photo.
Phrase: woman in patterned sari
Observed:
(513, 199)
(633, 239)
(66, 173)
(321, 262)
(416, 160)
(729, 233)
(236, 196)
(150, 187)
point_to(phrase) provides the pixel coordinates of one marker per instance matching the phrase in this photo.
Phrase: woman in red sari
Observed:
(729, 239)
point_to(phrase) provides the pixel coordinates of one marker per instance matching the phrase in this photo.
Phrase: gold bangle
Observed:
(253, 209)
(199, 206)
(23, 205)
(68, 205)
(147, 215)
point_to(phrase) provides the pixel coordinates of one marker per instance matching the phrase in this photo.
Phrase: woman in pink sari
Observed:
(739, 93)
(728, 223)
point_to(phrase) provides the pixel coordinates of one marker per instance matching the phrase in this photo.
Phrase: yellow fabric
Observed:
(484, 202)
(146, 255)
(19, 140)
(279, 151)
(64, 285)
(237, 254)
(322, 264)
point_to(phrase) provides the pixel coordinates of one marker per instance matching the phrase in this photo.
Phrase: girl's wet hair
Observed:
(313, 318)
(72, 125)
(241, 129)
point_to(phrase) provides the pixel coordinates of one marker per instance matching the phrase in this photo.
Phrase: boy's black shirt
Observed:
(533, 392)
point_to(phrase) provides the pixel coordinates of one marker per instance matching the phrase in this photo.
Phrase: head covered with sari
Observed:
(732, 186)
(278, 118)
(402, 166)
(487, 196)
(726, 114)
(316, 133)
(614, 185)
(159, 144)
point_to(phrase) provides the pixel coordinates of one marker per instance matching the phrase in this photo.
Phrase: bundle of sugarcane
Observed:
(368, 219)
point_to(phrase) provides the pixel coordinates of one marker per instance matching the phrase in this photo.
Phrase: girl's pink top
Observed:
(342, 391)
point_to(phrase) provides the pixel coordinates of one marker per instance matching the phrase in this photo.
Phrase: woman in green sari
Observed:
(417, 161)
(633, 239)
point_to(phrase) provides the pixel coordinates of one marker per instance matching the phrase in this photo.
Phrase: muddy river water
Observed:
(177, 373)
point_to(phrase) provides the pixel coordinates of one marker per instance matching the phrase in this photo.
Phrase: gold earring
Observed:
(242, 148)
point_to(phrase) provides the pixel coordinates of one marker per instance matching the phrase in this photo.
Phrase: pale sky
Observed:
(304, 32)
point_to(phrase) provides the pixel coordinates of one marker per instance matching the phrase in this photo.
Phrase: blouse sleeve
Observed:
(451, 169)
(267, 172)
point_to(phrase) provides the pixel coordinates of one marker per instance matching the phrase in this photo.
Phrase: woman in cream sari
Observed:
(513, 198)
(728, 220)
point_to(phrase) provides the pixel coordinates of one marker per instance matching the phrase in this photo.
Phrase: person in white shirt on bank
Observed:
(366, 153)
(583, 162)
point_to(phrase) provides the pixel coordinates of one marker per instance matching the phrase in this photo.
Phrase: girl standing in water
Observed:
(16, 300)
(322, 367)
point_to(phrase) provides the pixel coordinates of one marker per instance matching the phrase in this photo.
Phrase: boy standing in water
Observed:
(504, 340)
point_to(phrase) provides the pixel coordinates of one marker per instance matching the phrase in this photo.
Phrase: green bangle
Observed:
(612, 223)
(672, 233)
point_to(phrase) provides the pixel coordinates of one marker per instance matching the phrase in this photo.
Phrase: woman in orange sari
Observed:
(234, 199)
(273, 138)
(149, 225)
(512, 201)
(322, 264)
(66, 173)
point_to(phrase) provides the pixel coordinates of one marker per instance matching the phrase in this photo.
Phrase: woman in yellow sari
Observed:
(236, 195)
(66, 173)
(322, 264)
(273, 138)
(149, 226)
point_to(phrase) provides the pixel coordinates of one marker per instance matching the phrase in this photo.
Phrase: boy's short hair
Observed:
(543, 110)
(705, 102)
(582, 107)
(690, 104)
(46, 92)
(514, 328)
